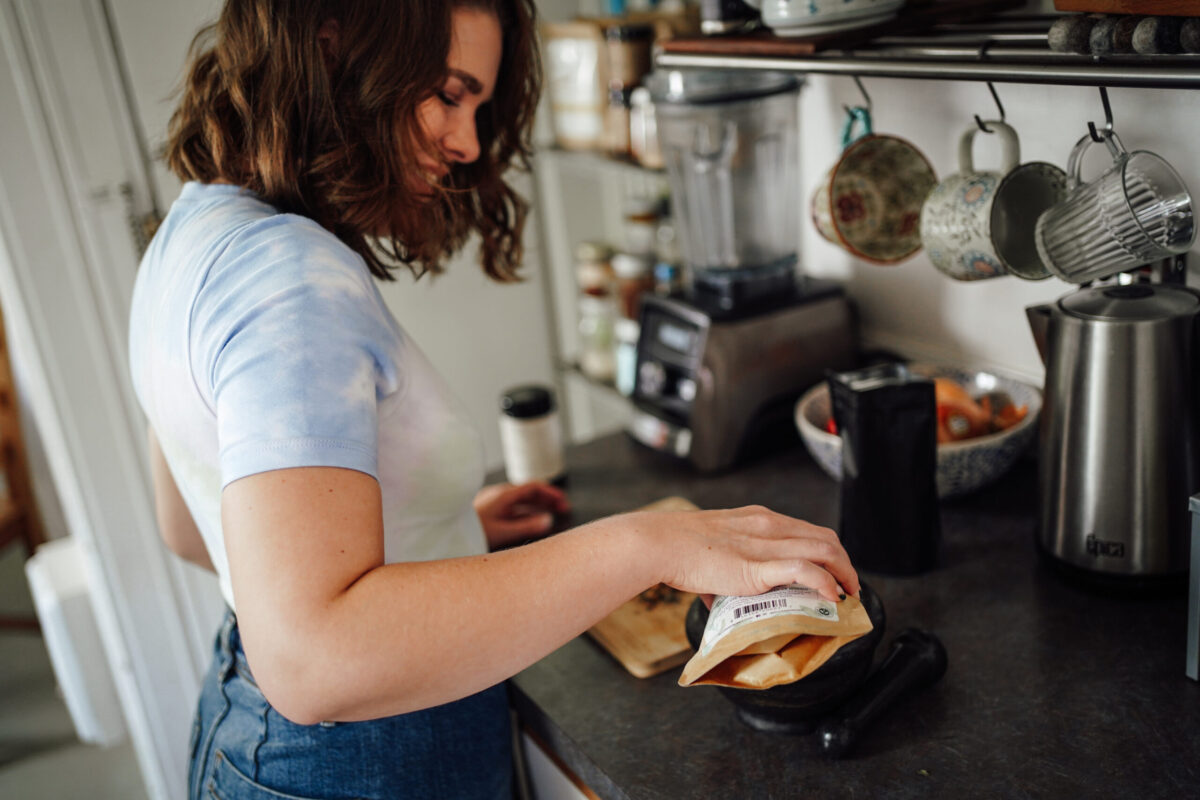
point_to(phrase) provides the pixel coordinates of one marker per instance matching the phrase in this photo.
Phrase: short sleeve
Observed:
(295, 348)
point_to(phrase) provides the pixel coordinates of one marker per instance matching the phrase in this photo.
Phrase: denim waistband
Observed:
(229, 649)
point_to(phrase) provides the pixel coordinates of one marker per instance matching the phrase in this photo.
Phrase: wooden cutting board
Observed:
(911, 18)
(646, 634)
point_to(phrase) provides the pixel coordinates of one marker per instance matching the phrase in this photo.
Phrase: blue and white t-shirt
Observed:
(259, 341)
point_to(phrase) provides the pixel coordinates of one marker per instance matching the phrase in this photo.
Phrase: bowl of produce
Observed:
(985, 423)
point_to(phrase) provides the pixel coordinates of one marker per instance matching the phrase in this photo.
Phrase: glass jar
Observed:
(643, 130)
(640, 225)
(616, 123)
(635, 277)
(597, 315)
(593, 270)
(668, 279)
(629, 56)
(626, 332)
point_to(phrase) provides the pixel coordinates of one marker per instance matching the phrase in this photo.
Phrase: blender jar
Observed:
(731, 145)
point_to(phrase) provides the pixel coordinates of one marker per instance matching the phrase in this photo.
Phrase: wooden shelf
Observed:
(999, 49)
(595, 160)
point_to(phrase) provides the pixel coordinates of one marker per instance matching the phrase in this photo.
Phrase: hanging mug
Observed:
(870, 201)
(979, 224)
(1139, 211)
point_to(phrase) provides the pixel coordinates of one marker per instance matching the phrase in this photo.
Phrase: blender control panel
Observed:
(669, 352)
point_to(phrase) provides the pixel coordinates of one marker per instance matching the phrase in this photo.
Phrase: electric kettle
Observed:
(1119, 453)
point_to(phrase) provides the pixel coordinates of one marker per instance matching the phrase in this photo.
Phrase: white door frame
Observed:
(65, 286)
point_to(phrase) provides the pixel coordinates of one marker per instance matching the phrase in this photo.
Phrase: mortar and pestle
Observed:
(841, 698)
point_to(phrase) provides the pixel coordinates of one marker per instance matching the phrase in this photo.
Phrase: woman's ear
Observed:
(328, 39)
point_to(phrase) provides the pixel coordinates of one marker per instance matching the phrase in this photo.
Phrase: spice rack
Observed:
(581, 196)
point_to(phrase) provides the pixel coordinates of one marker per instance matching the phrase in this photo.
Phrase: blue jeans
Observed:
(243, 749)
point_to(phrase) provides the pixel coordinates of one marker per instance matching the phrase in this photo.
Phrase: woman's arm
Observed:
(333, 634)
(175, 523)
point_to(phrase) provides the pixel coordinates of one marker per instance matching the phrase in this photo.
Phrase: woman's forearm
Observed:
(333, 633)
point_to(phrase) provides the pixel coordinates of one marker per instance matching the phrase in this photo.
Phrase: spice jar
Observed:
(641, 225)
(643, 130)
(635, 277)
(616, 123)
(628, 48)
(668, 279)
(593, 270)
(597, 359)
(626, 332)
(530, 435)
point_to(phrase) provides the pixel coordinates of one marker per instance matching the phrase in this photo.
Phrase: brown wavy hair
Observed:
(336, 138)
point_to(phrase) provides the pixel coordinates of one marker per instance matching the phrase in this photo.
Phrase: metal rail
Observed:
(1001, 65)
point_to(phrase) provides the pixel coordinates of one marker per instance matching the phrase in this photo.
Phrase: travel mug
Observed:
(530, 435)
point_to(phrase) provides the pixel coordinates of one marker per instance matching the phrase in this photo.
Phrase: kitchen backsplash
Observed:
(913, 308)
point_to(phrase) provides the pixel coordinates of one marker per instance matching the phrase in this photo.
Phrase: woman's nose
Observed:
(462, 140)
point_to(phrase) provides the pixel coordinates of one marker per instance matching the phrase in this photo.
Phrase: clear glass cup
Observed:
(1139, 211)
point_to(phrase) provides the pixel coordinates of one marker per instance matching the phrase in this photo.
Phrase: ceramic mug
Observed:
(870, 201)
(979, 224)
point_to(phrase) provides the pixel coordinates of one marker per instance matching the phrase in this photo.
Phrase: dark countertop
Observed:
(1052, 690)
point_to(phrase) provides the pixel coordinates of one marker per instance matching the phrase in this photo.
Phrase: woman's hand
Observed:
(514, 513)
(745, 551)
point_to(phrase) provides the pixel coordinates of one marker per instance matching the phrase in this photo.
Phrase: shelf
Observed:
(606, 387)
(594, 160)
(999, 50)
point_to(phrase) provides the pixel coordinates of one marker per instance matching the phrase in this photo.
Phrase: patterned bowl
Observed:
(962, 467)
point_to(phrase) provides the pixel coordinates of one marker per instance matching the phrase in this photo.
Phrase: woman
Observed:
(305, 450)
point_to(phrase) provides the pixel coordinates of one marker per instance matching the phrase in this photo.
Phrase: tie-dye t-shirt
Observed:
(259, 341)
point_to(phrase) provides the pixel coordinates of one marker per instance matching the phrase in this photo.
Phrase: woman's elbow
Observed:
(290, 691)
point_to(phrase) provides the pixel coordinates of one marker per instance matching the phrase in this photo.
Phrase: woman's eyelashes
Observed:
(445, 97)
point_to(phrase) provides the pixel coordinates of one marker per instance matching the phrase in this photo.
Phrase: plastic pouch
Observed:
(773, 638)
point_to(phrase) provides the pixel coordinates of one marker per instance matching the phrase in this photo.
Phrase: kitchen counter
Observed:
(1051, 691)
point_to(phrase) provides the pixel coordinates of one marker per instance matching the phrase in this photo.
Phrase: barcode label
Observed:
(729, 611)
(738, 613)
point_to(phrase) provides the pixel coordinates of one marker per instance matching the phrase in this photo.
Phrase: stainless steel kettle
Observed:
(1119, 454)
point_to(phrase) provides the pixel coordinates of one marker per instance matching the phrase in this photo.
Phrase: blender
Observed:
(720, 367)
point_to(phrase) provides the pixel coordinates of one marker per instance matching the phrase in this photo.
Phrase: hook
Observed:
(1108, 118)
(999, 105)
(866, 97)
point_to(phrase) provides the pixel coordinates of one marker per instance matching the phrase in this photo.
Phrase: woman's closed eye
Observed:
(445, 97)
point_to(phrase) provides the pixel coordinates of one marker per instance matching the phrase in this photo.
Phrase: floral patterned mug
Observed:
(980, 224)
(870, 201)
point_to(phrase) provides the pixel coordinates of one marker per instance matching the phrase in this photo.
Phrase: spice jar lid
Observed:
(592, 251)
(525, 402)
(629, 33)
(628, 265)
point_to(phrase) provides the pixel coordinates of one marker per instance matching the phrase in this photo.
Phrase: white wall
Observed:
(912, 307)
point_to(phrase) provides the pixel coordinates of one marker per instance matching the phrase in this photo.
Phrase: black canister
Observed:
(887, 419)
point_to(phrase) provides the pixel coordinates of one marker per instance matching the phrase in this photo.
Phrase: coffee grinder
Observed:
(720, 367)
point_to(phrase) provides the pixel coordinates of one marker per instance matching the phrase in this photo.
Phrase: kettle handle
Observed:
(1039, 326)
